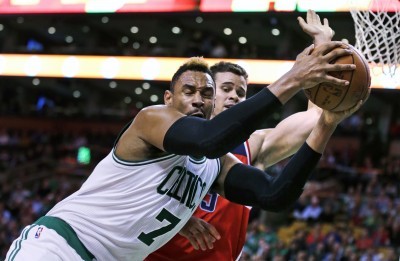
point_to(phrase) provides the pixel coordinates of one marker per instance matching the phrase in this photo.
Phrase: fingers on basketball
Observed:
(340, 98)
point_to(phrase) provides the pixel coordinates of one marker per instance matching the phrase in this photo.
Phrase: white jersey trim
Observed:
(140, 162)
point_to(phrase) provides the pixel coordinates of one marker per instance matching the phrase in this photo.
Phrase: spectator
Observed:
(365, 241)
(312, 211)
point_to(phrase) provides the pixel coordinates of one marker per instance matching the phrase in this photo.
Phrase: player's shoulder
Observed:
(152, 111)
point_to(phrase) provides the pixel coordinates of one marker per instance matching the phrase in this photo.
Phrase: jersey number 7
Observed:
(148, 238)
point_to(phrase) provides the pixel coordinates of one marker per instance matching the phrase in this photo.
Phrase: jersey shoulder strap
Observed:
(242, 152)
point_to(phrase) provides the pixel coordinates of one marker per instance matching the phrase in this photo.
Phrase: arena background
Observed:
(73, 72)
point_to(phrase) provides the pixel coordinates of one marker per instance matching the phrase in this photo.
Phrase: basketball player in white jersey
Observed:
(141, 194)
(220, 238)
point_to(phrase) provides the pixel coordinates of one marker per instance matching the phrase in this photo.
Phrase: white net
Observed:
(377, 29)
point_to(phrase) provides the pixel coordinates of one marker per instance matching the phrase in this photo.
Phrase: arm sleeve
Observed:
(250, 186)
(216, 137)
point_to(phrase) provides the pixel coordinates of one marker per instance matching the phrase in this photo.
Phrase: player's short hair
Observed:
(229, 67)
(197, 64)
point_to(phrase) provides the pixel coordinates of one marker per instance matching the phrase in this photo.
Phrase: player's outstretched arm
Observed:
(171, 131)
(247, 185)
(270, 146)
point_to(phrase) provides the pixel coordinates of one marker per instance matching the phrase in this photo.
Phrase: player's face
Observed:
(194, 94)
(231, 89)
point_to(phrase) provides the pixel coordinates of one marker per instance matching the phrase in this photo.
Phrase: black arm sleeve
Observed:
(250, 186)
(216, 137)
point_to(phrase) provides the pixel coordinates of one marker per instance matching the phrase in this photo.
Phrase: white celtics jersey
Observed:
(126, 210)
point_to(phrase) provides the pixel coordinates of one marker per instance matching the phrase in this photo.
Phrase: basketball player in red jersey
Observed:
(209, 234)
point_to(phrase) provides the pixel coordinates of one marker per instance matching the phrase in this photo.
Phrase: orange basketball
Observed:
(338, 98)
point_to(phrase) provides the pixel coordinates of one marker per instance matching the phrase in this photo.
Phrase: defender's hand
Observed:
(200, 234)
(321, 33)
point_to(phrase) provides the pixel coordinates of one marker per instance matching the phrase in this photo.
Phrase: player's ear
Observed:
(168, 97)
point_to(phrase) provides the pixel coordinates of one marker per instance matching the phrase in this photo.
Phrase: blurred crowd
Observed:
(350, 209)
(351, 214)
(38, 169)
(192, 43)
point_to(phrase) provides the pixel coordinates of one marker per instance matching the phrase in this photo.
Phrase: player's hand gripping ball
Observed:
(338, 98)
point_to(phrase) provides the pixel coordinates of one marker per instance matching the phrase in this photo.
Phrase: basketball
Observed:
(338, 98)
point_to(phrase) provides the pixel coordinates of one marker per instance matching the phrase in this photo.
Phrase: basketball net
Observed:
(377, 28)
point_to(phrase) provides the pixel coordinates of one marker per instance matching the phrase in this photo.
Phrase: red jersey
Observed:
(230, 220)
